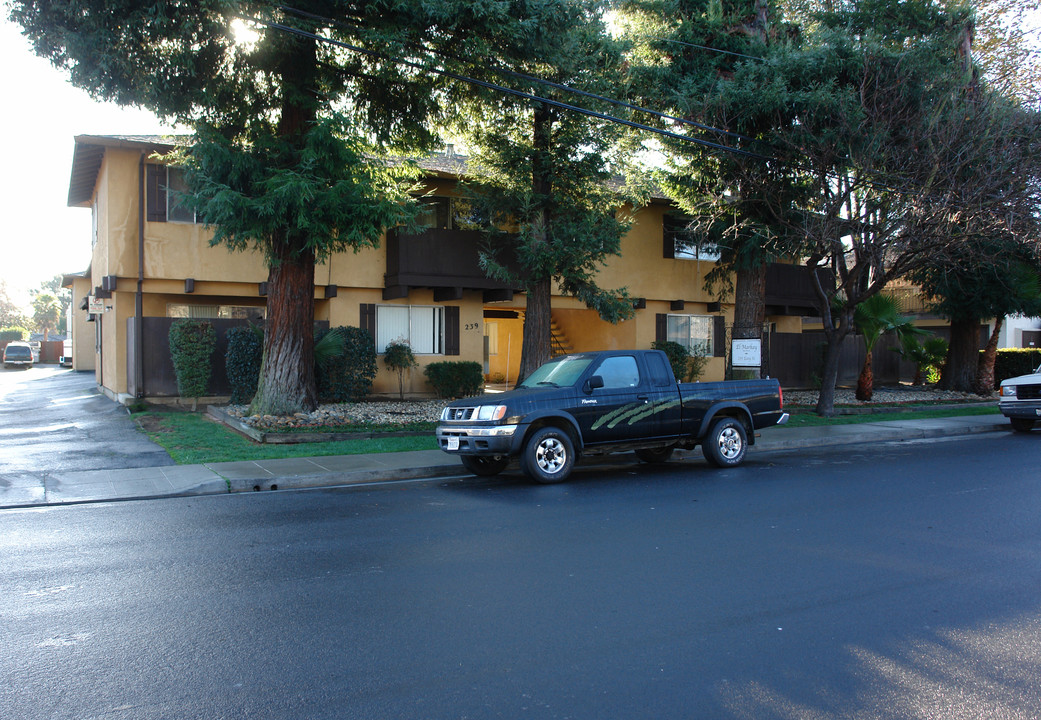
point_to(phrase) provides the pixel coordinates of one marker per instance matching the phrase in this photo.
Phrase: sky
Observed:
(44, 114)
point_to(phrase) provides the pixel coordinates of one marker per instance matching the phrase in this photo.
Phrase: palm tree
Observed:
(874, 317)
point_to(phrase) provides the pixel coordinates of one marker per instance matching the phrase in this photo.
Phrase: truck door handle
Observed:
(643, 397)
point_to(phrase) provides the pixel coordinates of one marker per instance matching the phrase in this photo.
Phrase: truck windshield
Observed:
(561, 372)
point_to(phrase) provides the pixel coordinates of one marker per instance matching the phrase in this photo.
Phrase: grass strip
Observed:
(193, 438)
(808, 418)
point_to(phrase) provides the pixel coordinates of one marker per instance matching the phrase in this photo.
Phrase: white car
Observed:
(1020, 400)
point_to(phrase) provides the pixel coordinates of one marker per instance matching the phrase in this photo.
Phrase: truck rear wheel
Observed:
(485, 465)
(725, 444)
(549, 456)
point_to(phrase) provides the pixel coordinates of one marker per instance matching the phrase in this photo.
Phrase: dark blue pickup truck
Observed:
(603, 402)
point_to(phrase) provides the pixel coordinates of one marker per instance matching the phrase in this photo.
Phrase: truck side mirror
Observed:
(596, 381)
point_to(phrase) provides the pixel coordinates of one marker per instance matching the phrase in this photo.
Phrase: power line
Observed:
(706, 47)
(548, 83)
(501, 88)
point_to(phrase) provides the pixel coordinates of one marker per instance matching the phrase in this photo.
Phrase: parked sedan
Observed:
(1020, 400)
(18, 354)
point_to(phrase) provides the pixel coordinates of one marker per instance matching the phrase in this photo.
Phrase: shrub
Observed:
(455, 379)
(191, 346)
(687, 366)
(11, 334)
(242, 362)
(347, 376)
(1015, 361)
(398, 357)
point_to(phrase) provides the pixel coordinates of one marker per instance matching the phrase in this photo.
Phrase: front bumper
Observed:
(477, 440)
(1025, 409)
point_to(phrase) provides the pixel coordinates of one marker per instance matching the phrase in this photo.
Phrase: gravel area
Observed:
(368, 413)
(886, 395)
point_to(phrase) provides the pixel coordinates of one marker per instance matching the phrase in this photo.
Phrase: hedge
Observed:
(347, 377)
(192, 343)
(1012, 362)
(242, 362)
(455, 379)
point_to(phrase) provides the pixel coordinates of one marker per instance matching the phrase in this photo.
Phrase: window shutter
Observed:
(451, 330)
(367, 321)
(155, 192)
(719, 336)
(668, 242)
(661, 330)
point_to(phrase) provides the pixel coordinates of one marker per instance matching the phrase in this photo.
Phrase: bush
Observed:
(11, 334)
(242, 362)
(398, 357)
(1015, 361)
(687, 366)
(455, 379)
(347, 376)
(191, 346)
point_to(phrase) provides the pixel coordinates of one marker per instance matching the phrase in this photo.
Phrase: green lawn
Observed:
(805, 417)
(194, 438)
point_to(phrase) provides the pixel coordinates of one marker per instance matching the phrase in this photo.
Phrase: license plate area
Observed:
(453, 443)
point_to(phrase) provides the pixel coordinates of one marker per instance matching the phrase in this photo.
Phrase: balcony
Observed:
(790, 289)
(445, 260)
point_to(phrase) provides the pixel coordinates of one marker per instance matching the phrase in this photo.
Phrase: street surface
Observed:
(898, 581)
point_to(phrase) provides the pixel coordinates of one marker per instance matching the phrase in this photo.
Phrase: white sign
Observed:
(95, 306)
(746, 353)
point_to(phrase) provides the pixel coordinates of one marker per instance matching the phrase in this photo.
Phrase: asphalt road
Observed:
(898, 581)
(53, 420)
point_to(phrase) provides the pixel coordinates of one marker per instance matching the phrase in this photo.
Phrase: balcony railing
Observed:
(790, 289)
(437, 258)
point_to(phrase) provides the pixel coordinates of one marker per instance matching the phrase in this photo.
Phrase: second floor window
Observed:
(165, 188)
(681, 242)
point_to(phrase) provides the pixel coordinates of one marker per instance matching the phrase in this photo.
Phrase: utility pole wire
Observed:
(549, 83)
(501, 88)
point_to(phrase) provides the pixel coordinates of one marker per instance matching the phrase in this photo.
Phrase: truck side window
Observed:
(661, 374)
(619, 372)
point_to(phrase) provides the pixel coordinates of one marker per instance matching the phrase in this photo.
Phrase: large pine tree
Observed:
(287, 128)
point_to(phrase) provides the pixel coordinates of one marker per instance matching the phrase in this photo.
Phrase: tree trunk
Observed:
(535, 349)
(985, 372)
(749, 302)
(959, 373)
(832, 355)
(866, 381)
(287, 382)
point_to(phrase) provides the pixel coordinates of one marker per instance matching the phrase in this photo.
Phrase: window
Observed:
(174, 187)
(423, 328)
(619, 372)
(448, 213)
(691, 331)
(682, 242)
(209, 312)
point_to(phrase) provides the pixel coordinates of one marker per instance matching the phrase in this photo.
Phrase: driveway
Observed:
(54, 421)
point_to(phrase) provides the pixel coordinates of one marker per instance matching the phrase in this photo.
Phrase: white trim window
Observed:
(421, 326)
(693, 332)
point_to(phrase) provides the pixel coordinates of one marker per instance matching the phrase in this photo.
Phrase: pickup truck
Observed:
(1020, 400)
(603, 402)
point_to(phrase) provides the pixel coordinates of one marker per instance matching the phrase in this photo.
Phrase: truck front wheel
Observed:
(726, 443)
(549, 455)
(484, 465)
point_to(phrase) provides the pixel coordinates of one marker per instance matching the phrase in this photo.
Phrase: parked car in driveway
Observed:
(1020, 400)
(18, 354)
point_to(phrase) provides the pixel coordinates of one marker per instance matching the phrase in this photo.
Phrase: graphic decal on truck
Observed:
(633, 413)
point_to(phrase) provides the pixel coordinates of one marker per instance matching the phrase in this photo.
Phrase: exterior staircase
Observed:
(558, 342)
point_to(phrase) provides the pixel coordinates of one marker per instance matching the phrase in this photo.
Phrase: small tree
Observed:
(398, 357)
(874, 317)
(192, 343)
(927, 356)
(687, 365)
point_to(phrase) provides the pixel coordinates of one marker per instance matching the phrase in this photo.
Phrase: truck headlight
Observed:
(490, 412)
(1008, 391)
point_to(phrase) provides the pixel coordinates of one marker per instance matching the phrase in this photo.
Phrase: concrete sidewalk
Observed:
(335, 470)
